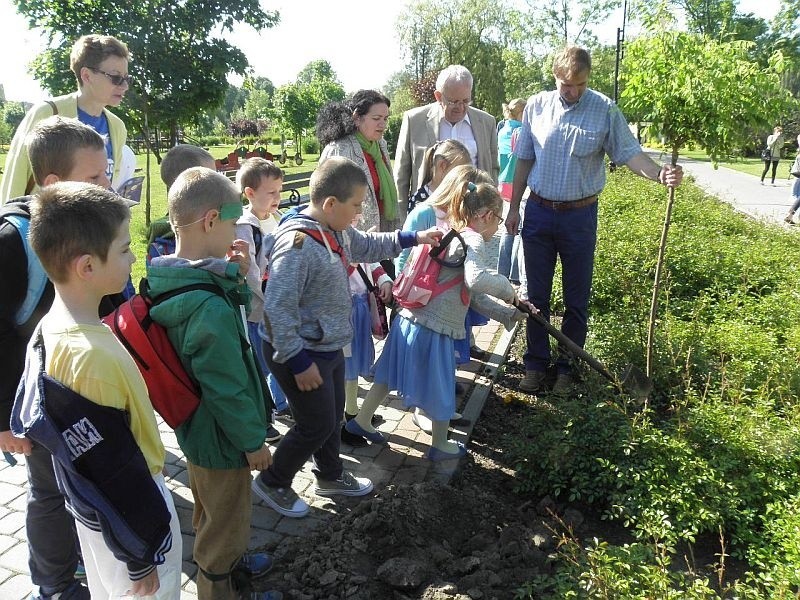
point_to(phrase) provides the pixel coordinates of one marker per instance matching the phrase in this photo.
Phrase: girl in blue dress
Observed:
(418, 358)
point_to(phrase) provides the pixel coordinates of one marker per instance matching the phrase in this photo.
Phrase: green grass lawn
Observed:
(158, 198)
(751, 166)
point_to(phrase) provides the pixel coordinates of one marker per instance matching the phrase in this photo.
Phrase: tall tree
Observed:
(180, 61)
(473, 33)
(563, 22)
(695, 90)
(297, 104)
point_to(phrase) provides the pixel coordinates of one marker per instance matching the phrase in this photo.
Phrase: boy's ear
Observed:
(329, 203)
(248, 193)
(50, 179)
(208, 219)
(83, 266)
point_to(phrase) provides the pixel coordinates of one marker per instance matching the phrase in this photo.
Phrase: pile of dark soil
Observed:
(472, 539)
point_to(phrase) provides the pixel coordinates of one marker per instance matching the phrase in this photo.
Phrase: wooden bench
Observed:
(293, 183)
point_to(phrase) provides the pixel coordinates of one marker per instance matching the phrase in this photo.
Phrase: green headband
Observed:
(230, 210)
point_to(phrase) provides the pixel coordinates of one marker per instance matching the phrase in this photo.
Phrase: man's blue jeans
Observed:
(570, 235)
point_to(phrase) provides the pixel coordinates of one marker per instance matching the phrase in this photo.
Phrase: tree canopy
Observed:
(179, 61)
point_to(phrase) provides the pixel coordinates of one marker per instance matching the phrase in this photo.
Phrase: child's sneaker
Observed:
(80, 571)
(74, 591)
(273, 435)
(282, 500)
(255, 564)
(285, 415)
(346, 485)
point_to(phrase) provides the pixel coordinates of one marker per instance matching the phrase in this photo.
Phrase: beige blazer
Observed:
(420, 130)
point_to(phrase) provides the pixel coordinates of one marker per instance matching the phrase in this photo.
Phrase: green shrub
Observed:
(716, 449)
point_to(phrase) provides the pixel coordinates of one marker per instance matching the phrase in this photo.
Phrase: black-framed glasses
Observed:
(115, 79)
(500, 219)
(454, 103)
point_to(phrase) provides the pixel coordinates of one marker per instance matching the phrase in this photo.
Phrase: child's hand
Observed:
(385, 291)
(11, 443)
(309, 380)
(147, 586)
(260, 459)
(430, 236)
(240, 253)
(524, 305)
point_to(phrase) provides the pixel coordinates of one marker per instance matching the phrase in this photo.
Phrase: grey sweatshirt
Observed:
(307, 300)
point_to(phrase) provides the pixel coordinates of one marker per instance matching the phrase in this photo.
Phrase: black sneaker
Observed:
(273, 435)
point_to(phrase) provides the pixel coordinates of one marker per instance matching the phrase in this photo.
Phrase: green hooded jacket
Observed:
(209, 336)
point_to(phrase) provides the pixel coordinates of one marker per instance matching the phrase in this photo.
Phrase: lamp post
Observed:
(620, 51)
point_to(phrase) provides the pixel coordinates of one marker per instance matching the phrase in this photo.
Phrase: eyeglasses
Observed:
(499, 218)
(115, 79)
(454, 103)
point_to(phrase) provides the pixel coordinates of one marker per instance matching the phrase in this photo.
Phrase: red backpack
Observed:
(418, 283)
(173, 394)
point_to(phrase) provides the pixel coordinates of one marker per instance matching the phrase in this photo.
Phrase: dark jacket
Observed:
(13, 287)
(98, 464)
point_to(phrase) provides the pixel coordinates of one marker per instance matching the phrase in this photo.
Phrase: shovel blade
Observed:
(635, 383)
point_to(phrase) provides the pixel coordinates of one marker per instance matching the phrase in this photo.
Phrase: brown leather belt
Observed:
(563, 205)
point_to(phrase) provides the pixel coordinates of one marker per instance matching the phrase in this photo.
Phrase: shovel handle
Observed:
(571, 346)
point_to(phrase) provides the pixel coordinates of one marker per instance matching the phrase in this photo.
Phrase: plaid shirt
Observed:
(569, 143)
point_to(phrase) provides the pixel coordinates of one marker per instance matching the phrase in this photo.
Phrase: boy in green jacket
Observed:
(224, 439)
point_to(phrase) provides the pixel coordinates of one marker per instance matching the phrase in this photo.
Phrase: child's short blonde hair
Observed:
(196, 191)
(468, 192)
(253, 170)
(338, 177)
(182, 157)
(91, 50)
(53, 143)
(70, 219)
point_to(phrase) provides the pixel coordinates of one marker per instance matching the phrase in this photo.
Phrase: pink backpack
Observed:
(418, 283)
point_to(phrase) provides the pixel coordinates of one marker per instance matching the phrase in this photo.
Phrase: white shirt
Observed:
(461, 131)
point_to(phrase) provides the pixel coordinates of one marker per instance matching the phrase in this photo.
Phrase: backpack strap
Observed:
(370, 286)
(37, 278)
(258, 238)
(332, 242)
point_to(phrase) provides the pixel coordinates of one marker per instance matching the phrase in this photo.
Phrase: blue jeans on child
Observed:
(548, 234)
(278, 397)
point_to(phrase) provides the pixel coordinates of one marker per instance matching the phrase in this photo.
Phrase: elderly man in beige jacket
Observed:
(451, 116)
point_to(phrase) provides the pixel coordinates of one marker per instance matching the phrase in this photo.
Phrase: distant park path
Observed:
(744, 192)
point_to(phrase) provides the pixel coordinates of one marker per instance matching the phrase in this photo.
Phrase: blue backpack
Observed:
(16, 216)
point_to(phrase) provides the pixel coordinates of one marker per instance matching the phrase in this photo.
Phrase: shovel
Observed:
(632, 381)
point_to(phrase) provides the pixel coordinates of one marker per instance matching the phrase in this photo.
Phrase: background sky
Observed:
(365, 58)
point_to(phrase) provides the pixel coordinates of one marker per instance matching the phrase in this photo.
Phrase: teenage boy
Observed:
(126, 520)
(100, 66)
(224, 439)
(59, 149)
(307, 306)
(260, 182)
